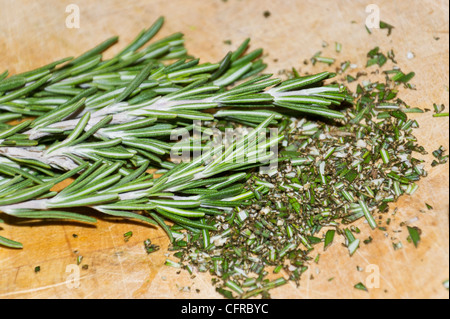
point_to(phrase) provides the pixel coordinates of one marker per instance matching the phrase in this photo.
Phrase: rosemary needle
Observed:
(414, 234)
(329, 236)
(12, 83)
(143, 37)
(10, 243)
(360, 286)
(3, 75)
(25, 90)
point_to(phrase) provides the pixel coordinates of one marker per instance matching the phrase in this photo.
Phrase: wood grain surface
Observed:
(33, 33)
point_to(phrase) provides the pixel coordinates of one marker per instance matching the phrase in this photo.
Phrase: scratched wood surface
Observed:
(33, 33)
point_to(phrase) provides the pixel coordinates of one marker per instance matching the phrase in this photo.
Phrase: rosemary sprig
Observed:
(184, 105)
(102, 187)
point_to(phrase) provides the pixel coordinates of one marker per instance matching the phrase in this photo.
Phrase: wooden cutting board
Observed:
(33, 33)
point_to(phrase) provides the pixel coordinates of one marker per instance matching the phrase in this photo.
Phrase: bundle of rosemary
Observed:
(114, 126)
(105, 123)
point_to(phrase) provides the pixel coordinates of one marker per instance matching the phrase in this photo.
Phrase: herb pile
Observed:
(108, 125)
(330, 175)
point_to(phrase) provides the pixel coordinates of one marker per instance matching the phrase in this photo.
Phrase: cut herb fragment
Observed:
(384, 25)
(414, 235)
(329, 236)
(360, 286)
(127, 236)
(149, 247)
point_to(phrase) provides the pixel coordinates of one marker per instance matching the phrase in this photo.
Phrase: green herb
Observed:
(384, 25)
(318, 58)
(172, 263)
(3, 75)
(149, 247)
(353, 246)
(316, 260)
(376, 57)
(12, 83)
(10, 243)
(404, 78)
(367, 214)
(414, 235)
(226, 293)
(329, 236)
(37, 269)
(440, 157)
(350, 79)
(360, 286)
(127, 236)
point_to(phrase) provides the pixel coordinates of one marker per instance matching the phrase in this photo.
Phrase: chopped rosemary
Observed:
(149, 247)
(384, 25)
(440, 157)
(414, 235)
(360, 286)
(329, 236)
(127, 236)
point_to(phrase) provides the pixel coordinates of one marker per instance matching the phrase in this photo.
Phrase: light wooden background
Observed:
(33, 33)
